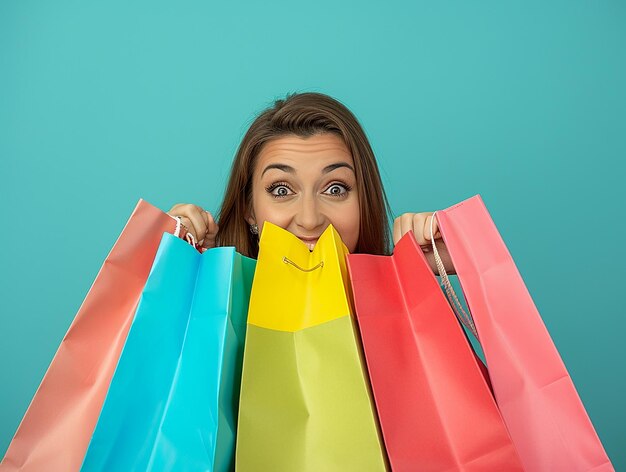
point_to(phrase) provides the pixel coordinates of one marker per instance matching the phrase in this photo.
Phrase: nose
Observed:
(309, 217)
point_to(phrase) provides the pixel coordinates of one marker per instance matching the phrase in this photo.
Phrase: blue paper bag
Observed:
(172, 403)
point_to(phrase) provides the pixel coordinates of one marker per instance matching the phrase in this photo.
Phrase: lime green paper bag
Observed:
(305, 403)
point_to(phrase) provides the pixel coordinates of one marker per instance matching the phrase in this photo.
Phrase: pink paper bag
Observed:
(56, 429)
(540, 406)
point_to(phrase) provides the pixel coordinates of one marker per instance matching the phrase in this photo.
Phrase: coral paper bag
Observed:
(305, 404)
(546, 419)
(436, 410)
(55, 431)
(172, 403)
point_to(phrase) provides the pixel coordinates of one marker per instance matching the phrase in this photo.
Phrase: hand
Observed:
(198, 222)
(419, 223)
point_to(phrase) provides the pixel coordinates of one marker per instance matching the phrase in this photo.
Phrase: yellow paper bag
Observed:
(305, 401)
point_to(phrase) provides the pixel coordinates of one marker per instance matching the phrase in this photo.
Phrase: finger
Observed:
(188, 225)
(418, 227)
(206, 216)
(397, 233)
(211, 224)
(406, 223)
(427, 229)
(427, 246)
(213, 228)
(193, 218)
(189, 219)
(196, 215)
(401, 225)
(173, 211)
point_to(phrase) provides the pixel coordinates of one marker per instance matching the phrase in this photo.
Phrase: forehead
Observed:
(313, 151)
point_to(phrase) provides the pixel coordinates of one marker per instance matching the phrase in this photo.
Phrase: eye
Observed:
(338, 190)
(279, 190)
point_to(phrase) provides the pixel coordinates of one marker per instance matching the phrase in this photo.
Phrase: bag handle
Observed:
(286, 260)
(460, 313)
(179, 227)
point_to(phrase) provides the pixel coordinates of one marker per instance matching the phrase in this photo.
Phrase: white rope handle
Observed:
(460, 313)
(179, 225)
(190, 239)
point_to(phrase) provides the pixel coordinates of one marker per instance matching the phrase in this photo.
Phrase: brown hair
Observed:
(304, 115)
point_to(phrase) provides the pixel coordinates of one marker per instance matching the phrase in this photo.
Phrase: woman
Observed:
(303, 164)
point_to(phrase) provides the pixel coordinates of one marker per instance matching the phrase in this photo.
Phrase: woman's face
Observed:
(305, 184)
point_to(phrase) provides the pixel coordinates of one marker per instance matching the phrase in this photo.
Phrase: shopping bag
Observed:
(55, 431)
(541, 408)
(435, 407)
(305, 403)
(172, 403)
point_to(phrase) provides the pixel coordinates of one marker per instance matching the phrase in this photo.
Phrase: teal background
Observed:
(522, 102)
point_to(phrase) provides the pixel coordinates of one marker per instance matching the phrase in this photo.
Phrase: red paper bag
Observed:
(56, 429)
(545, 417)
(436, 410)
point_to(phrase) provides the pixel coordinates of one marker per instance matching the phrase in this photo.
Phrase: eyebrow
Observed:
(291, 170)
